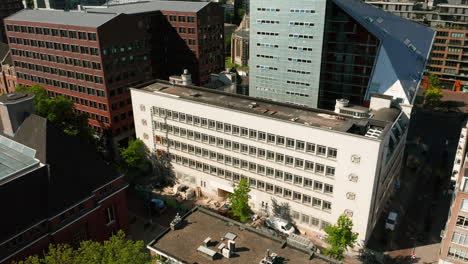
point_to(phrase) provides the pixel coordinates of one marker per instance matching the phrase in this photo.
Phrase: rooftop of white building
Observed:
(251, 244)
(379, 120)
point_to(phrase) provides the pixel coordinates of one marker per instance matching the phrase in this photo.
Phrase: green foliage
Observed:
(135, 156)
(229, 64)
(58, 110)
(433, 81)
(433, 97)
(116, 250)
(239, 201)
(340, 237)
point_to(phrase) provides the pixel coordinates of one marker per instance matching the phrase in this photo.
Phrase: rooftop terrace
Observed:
(15, 158)
(251, 245)
(291, 113)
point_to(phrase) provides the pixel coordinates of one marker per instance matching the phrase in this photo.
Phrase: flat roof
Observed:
(251, 245)
(60, 17)
(302, 115)
(15, 97)
(15, 158)
(150, 6)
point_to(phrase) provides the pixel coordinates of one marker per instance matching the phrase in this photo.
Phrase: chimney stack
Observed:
(232, 246)
(14, 109)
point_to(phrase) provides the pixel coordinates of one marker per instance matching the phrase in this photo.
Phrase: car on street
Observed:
(391, 221)
(280, 225)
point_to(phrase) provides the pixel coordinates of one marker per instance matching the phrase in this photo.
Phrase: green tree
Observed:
(134, 157)
(433, 81)
(58, 110)
(432, 98)
(340, 237)
(239, 201)
(116, 250)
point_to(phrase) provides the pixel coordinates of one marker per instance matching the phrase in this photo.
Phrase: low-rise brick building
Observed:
(54, 187)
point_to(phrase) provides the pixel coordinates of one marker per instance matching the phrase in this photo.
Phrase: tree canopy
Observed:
(433, 81)
(239, 201)
(340, 237)
(58, 110)
(433, 97)
(135, 156)
(116, 250)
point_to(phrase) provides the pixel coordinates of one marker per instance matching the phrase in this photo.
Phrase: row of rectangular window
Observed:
(458, 254)
(81, 101)
(300, 23)
(257, 184)
(58, 59)
(297, 94)
(460, 238)
(290, 143)
(309, 220)
(183, 19)
(248, 166)
(124, 47)
(53, 32)
(265, 21)
(264, 67)
(263, 9)
(301, 36)
(267, 33)
(60, 72)
(298, 71)
(267, 45)
(297, 83)
(55, 46)
(267, 56)
(62, 85)
(271, 156)
(303, 11)
(299, 48)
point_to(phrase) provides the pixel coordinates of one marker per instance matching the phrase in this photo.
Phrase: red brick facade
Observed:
(94, 67)
(8, 79)
(87, 220)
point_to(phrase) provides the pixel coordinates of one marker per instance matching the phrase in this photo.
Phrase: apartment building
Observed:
(7, 7)
(49, 194)
(311, 159)
(183, 35)
(449, 56)
(314, 52)
(454, 245)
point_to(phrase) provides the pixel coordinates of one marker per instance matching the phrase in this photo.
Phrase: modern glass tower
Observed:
(312, 52)
(285, 50)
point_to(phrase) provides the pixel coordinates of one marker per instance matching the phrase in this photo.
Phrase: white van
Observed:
(280, 225)
(391, 221)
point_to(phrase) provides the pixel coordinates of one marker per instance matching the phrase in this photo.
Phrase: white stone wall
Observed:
(349, 147)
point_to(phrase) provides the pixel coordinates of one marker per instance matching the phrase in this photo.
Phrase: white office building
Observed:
(322, 163)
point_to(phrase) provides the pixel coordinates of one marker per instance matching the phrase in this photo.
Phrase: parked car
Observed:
(391, 221)
(280, 225)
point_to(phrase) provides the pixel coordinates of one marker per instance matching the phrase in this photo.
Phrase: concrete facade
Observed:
(320, 172)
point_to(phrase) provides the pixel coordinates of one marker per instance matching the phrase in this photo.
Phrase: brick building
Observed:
(83, 55)
(454, 245)
(8, 7)
(59, 196)
(8, 80)
(183, 35)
